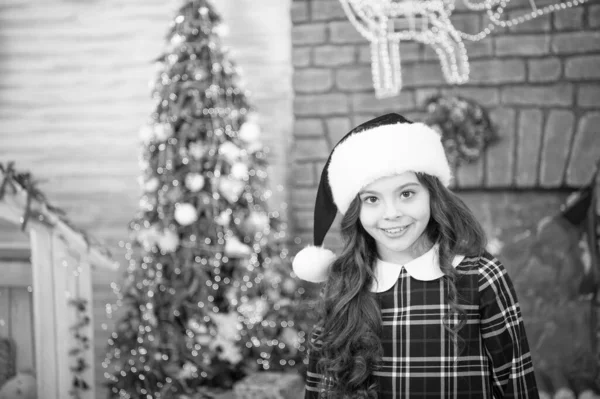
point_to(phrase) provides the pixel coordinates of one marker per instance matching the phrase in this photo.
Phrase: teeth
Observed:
(393, 231)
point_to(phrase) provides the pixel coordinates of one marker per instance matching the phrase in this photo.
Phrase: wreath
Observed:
(465, 127)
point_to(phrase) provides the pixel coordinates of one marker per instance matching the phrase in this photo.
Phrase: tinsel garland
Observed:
(23, 181)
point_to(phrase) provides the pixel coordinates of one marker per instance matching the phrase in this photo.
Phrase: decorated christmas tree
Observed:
(209, 295)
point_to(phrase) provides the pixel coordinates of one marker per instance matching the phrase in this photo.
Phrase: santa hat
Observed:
(384, 146)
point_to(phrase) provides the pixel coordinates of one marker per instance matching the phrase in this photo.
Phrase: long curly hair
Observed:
(349, 348)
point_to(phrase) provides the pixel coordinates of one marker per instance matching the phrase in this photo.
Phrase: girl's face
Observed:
(395, 212)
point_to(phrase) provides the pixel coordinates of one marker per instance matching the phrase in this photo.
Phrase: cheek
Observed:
(367, 217)
(425, 212)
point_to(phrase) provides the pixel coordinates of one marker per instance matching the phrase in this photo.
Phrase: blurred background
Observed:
(74, 94)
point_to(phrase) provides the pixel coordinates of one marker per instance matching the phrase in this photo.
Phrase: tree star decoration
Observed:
(387, 22)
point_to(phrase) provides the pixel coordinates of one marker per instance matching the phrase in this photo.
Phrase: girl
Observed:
(414, 307)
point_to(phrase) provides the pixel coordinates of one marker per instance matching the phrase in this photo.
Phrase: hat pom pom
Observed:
(312, 263)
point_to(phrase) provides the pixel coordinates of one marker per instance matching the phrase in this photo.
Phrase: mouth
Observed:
(396, 231)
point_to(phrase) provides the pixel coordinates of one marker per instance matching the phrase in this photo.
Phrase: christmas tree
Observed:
(208, 295)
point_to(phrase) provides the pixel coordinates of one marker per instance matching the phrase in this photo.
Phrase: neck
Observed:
(418, 248)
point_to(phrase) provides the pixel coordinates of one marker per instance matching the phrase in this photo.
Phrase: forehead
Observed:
(392, 182)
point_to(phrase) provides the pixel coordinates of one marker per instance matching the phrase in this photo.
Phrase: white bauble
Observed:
(143, 164)
(289, 286)
(197, 327)
(177, 39)
(230, 151)
(185, 214)
(188, 370)
(147, 203)
(197, 150)
(249, 132)
(231, 353)
(146, 134)
(257, 221)
(221, 30)
(234, 248)
(254, 147)
(168, 241)
(239, 170)
(194, 182)
(290, 337)
(148, 237)
(163, 131)
(203, 339)
(254, 310)
(228, 325)
(231, 189)
(224, 218)
(151, 185)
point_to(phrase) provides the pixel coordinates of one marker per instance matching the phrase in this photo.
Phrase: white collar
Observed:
(425, 268)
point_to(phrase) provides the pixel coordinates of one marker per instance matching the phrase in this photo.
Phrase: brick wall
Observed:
(539, 80)
(541, 83)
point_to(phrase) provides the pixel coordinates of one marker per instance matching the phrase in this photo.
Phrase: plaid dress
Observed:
(419, 358)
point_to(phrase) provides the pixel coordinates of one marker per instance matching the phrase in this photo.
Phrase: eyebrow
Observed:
(402, 187)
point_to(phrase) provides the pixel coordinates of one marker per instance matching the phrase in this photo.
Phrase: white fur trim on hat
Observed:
(312, 263)
(383, 151)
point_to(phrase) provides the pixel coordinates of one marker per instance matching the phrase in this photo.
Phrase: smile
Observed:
(396, 230)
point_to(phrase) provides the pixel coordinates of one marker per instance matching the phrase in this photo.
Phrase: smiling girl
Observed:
(413, 307)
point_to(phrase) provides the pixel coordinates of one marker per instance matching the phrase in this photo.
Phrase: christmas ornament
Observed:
(289, 286)
(146, 134)
(148, 237)
(465, 127)
(197, 150)
(203, 339)
(257, 222)
(231, 189)
(187, 371)
(254, 310)
(230, 152)
(226, 350)
(194, 182)
(221, 30)
(224, 218)
(185, 214)
(163, 131)
(197, 327)
(168, 241)
(427, 22)
(228, 325)
(249, 132)
(254, 147)
(176, 40)
(290, 337)
(151, 185)
(234, 248)
(239, 171)
(147, 203)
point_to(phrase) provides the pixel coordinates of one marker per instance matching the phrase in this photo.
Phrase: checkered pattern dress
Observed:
(419, 360)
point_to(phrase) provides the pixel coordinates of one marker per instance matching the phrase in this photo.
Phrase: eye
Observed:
(370, 199)
(407, 194)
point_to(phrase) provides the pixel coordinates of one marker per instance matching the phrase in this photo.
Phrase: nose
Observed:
(393, 210)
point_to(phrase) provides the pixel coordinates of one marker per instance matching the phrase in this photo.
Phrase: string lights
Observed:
(385, 23)
(209, 294)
